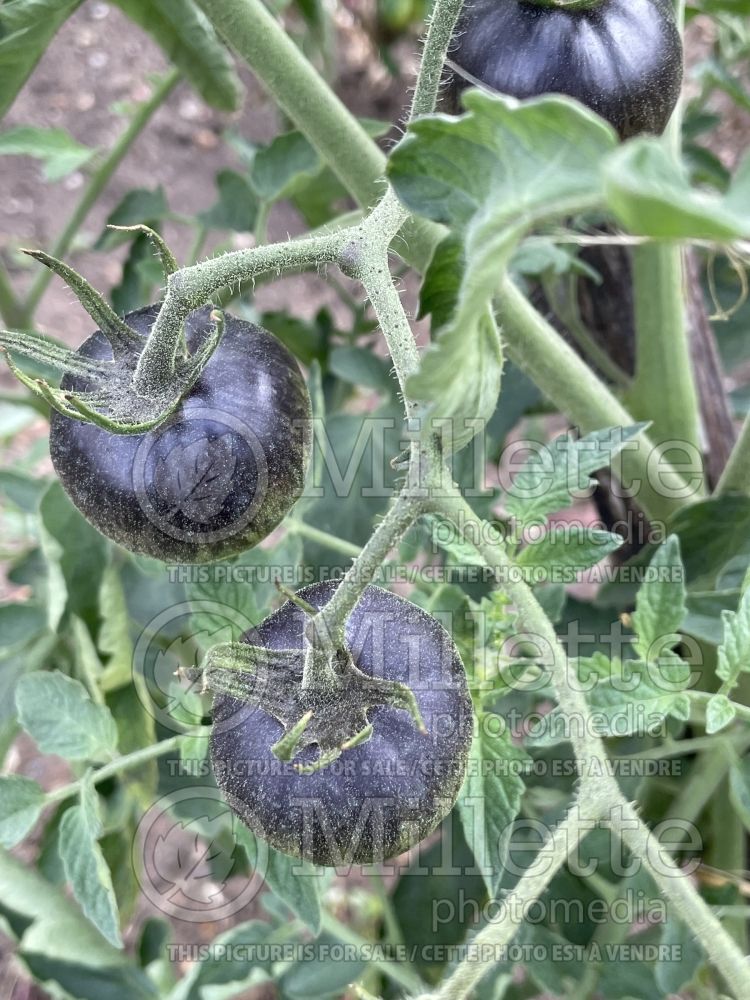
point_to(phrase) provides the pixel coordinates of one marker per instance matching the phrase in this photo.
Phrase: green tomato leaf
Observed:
(471, 404)
(75, 554)
(114, 640)
(26, 29)
(139, 206)
(185, 705)
(660, 606)
(224, 965)
(85, 867)
(711, 533)
(704, 609)
(566, 550)
(461, 408)
(685, 956)
(719, 713)
(21, 801)
(490, 800)
(88, 665)
(308, 341)
(297, 883)
(651, 195)
(446, 535)
(502, 164)
(57, 149)
(136, 729)
(237, 206)
(362, 367)
(442, 281)
(734, 651)
(189, 41)
(627, 697)
(236, 595)
(279, 166)
(59, 945)
(324, 979)
(557, 470)
(489, 175)
(18, 624)
(58, 714)
(739, 789)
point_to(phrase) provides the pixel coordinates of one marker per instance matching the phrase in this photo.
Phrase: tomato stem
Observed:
(664, 386)
(537, 348)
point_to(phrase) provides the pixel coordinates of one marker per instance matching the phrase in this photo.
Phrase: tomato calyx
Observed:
(329, 709)
(110, 399)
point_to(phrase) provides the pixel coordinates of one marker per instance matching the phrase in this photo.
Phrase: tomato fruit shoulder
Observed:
(621, 58)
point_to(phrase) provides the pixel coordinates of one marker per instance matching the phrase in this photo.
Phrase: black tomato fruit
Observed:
(381, 796)
(219, 474)
(621, 58)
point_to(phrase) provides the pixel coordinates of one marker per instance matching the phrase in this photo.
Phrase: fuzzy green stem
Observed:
(301, 92)
(566, 307)
(663, 389)
(736, 475)
(727, 852)
(707, 774)
(491, 545)
(391, 923)
(127, 763)
(720, 947)
(557, 848)
(571, 385)
(331, 621)
(190, 288)
(304, 95)
(322, 537)
(738, 738)
(439, 35)
(98, 182)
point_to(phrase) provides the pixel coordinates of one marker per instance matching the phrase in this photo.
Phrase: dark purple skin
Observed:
(219, 474)
(409, 779)
(622, 59)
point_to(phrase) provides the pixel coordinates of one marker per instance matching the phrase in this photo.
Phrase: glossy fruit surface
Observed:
(381, 796)
(621, 58)
(219, 474)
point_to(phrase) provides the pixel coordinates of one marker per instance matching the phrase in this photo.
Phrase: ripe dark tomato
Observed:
(377, 798)
(622, 58)
(219, 474)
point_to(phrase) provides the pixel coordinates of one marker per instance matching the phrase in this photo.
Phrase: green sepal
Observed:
(124, 339)
(168, 260)
(332, 716)
(111, 403)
